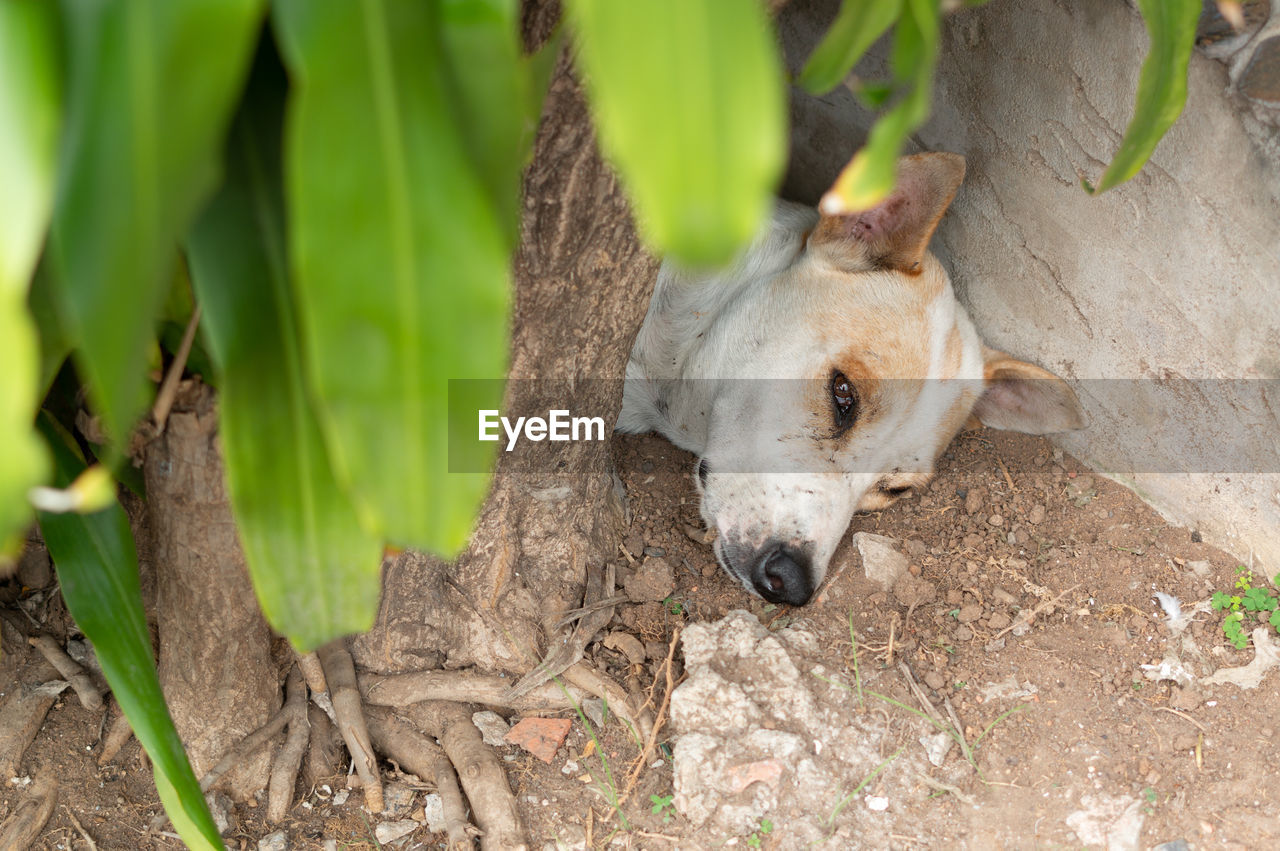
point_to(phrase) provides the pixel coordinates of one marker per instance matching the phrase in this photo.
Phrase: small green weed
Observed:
(1249, 598)
(673, 605)
(663, 805)
(766, 827)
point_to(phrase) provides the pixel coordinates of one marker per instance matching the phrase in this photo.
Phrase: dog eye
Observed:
(846, 400)
(896, 492)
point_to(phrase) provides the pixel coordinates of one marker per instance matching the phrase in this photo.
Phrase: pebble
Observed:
(493, 728)
(654, 552)
(390, 831)
(220, 807)
(973, 501)
(969, 613)
(397, 799)
(278, 841)
(652, 581)
(1036, 516)
(433, 812)
(995, 520)
(963, 633)
(880, 561)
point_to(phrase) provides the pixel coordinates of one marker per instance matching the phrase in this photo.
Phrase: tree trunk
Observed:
(215, 648)
(582, 286)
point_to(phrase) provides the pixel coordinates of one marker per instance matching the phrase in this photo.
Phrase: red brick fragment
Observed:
(541, 737)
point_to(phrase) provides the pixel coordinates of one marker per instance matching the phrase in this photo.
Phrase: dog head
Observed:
(862, 368)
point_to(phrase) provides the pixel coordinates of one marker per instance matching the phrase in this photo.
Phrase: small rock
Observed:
(1200, 568)
(1175, 845)
(569, 837)
(278, 841)
(995, 520)
(654, 552)
(493, 728)
(973, 501)
(1036, 515)
(340, 797)
(935, 680)
(1187, 698)
(397, 799)
(936, 747)
(911, 591)
(570, 768)
(877, 803)
(999, 620)
(390, 831)
(954, 596)
(963, 633)
(541, 737)
(969, 613)
(880, 561)
(224, 817)
(634, 544)
(654, 580)
(433, 812)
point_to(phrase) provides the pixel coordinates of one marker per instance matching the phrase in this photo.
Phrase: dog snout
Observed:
(782, 575)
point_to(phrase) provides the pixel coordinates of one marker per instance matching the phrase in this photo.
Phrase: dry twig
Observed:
(652, 741)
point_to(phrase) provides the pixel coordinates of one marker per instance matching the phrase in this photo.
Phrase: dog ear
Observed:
(1019, 396)
(894, 233)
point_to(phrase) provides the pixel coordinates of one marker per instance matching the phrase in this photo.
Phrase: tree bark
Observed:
(215, 648)
(582, 287)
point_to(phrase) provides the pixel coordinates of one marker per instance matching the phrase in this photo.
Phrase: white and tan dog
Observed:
(823, 374)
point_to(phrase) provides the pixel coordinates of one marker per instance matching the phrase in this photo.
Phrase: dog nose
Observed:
(781, 575)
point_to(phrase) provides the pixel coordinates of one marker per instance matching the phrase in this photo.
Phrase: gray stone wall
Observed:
(1160, 299)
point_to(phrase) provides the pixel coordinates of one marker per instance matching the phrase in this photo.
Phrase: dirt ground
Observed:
(1076, 731)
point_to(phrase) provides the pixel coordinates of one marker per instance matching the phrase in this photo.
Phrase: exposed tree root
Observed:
(118, 735)
(20, 830)
(340, 673)
(284, 771)
(20, 719)
(479, 769)
(620, 703)
(247, 746)
(86, 689)
(324, 748)
(415, 752)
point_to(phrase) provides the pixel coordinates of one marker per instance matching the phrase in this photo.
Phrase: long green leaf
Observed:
(314, 568)
(98, 573)
(688, 99)
(30, 113)
(1162, 85)
(858, 25)
(400, 264)
(494, 94)
(150, 89)
(870, 176)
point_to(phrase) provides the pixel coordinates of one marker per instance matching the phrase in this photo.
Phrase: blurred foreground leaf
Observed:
(98, 573)
(870, 176)
(315, 570)
(858, 25)
(150, 89)
(400, 263)
(1162, 85)
(30, 105)
(688, 99)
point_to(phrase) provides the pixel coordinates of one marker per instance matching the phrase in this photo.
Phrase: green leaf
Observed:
(1220, 600)
(98, 573)
(30, 106)
(150, 89)
(494, 94)
(1274, 620)
(688, 99)
(1162, 85)
(857, 27)
(399, 261)
(869, 177)
(314, 568)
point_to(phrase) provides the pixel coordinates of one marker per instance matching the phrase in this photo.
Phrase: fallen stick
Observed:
(20, 830)
(479, 769)
(284, 771)
(340, 673)
(88, 692)
(419, 754)
(652, 741)
(585, 677)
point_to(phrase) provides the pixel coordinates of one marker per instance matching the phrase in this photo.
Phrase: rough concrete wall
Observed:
(1172, 276)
